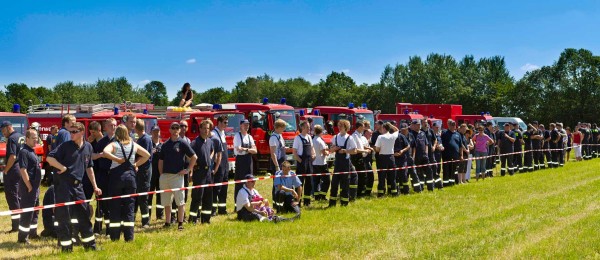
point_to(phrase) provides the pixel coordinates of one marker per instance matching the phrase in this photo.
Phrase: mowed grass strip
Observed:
(552, 213)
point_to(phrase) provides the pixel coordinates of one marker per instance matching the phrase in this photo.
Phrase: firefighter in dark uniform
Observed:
(12, 176)
(420, 154)
(585, 142)
(410, 162)
(368, 159)
(594, 135)
(144, 173)
(375, 155)
(546, 147)
(358, 175)
(73, 159)
(123, 153)
(528, 155)
(202, 198)
(536, 146)
(401, 153)
(343, 146)
(29, 187)
(243, 148)
(490, 164)
(507, 140)
(432, 145)
(154, 184)
(453, 150)
(437, 155)
(304, 153)
(555, 138)
(102, 176)
(278, 152)
(221, 166)
(518, 147)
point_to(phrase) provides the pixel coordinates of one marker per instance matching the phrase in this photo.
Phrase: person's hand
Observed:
(342, 150)
(295, 194)
(264, 213)
(299, 160)
(63, 170)
(98, 191)
(312, 157)
(120, 160)
(183, 172)
(29, 188)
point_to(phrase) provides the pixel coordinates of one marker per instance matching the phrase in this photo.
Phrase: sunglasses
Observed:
(184, 126)
(74, 131)
(174, 128)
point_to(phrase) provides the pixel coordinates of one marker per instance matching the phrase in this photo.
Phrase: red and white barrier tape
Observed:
(19, 211)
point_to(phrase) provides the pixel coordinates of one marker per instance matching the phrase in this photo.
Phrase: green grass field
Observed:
(554, 213)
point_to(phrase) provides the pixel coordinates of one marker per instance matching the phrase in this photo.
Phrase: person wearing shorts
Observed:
(172, 171)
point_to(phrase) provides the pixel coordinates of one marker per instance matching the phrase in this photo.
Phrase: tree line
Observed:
(566, 91)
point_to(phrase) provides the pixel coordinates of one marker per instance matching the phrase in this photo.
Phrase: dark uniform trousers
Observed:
(143, 185)
(437, 172)
(548, 155)
(219, 196)
(386, 172)
(11, 191)
(528, 160)
(403, 174)
(518, 160)
(121, 210)
(321, 182)
(449, 171)
(306, 167)
(243, 167)
(69, 189)
(555, 156)
(340, 181)
(154, 185)
(102, 206)
(506, 163)
(287, 200)
(490, 163)
(369, 175)
(357, 175)
(202, 198)
(29, 220)
(48, 214)
(425, 172)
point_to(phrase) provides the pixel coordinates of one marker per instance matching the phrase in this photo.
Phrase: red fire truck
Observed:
(262, 117)
(350, 113)
(51, 114)
(20, 124)
(444, 112)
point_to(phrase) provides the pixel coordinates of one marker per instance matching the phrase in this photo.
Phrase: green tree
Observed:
(156, 92)
(19, 93)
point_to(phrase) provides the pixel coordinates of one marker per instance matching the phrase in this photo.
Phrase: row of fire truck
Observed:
(262, 117)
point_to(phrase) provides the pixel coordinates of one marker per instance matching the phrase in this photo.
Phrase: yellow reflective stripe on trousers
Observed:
(33, 226)
(24, 229)
(55, 223)
(206, 212)
(74, 221)
(107, 221)
(222, 204)
(353, 186)
(160, 206)
(417, 184)
(15, 217)
(128, 224)
(345, 199)
(193, 214)
(145, 215)
(99, 219)
(66, 243)
(88, 239)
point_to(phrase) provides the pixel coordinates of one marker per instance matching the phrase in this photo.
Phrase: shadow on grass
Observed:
(14, 246)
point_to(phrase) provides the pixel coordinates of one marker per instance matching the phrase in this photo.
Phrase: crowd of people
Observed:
(119, 159)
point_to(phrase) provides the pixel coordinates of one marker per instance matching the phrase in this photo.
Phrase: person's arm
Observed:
(25, 178)
(160, 166)
(273, 149)
(190, 168)
(286, 189)
(108, 154)
(252, 149)
(11, 161)
(511, 139)
(90, 174)
(295, 152)
(143, 157)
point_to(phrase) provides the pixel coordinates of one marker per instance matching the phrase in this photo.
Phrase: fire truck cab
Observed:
(442, 112)
(262, 117)
(20, 124)
(333, 114)
(474, 119)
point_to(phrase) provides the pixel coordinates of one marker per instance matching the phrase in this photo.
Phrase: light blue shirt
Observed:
(290, 181)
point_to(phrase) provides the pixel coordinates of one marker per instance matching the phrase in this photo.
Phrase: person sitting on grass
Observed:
(245, 207)
(263, 205)
(287, 188)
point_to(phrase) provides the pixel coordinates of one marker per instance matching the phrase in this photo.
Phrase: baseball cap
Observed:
(154, 128)
(416, 122)
(245, 121)
(5, 124)
(506, 124)
(404, 125)
(175, 124)
(249, 176)
(436, 124)
(515, 123)
(379, 122)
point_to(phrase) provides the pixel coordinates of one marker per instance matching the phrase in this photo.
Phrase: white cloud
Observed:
(191, 61)
(529, 67)
(144, 82)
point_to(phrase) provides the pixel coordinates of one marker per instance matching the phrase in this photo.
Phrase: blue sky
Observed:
(212, 44)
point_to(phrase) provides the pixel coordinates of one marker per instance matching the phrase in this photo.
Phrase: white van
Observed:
(502, 120)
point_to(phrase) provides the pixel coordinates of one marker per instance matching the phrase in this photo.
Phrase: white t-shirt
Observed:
(385, 142)
(340, 139)
(273, 140)
(242, 197)
(298, 143)
(220, 133)
(357, 139)
(365, 144)
(237, 142)
(319, 146)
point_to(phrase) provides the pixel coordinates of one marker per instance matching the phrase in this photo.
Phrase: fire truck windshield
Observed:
(289, 116)
(233, 123)
(366, 117)
(149, 123)
(19, 124)
(318, 121)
